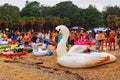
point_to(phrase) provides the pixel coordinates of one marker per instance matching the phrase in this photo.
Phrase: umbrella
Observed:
(77, 28)
(99, 29)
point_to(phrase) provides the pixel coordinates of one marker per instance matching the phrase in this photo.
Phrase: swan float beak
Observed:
(57, 30)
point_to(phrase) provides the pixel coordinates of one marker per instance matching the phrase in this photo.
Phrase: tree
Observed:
(54, 21)
(113, 21)
(92, 17)
(62, 13)
(31, 9)
(66, 21)
(48, 22)
(22, 22)
(31, 20)
(5, 21)
(46, 11)
(1, 20)
(41, 22)
(10, 14)
(67, 9)
(110, 10)
(118, 22)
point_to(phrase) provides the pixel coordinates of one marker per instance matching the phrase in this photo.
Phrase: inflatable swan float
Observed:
(3, 42)
(39, 52)
(74, 58)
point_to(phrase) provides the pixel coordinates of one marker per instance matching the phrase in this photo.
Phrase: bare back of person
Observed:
(26, 39)
(112, 36)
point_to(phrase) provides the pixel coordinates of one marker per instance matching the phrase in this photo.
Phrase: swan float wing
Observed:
(85, 60)
(77, 49)
(95, 59)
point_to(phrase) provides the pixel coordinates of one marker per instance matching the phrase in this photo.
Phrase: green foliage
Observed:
(54, 21)
(66, 21)
(46, 11)
(66, 9)
(40, 22)
(31, 9)
(113, 21)
(110, 10)
(92, 17)
(36, 16)
(8, 15)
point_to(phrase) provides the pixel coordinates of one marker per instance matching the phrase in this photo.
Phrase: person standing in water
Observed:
(112, 36)
(118, 38)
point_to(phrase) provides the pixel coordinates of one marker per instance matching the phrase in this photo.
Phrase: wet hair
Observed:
(44, 41)
(34, 39)
(112, 29)
(100, 31)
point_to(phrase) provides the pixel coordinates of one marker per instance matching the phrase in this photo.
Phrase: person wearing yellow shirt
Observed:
(100, 38)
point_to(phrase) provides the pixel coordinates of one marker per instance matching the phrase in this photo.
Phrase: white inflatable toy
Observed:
(3, 42)
(74, 58)
(39, 52)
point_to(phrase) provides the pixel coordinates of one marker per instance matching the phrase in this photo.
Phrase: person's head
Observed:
(34, 41)
(103, 31)
(100, 32)
(97, 32)
(9, 44)
(118, 29)
(0, 31)
(32, 30)
(108, 28)
(35, 34)
(44, 42)
(112, 28)
(87, 50)
(18, 41)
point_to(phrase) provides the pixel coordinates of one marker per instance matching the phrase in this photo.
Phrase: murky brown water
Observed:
(29, 67)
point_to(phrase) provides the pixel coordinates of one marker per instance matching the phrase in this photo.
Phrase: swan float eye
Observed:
(59, 30)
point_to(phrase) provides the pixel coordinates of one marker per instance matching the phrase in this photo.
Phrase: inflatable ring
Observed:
(14, 46)
(3, 47)
(3, 42)
(20, 50)
(6, 46)
(30, 50)
(14, 53)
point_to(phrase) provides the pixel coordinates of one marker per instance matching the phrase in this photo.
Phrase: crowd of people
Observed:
(104, 39)
(107, 39)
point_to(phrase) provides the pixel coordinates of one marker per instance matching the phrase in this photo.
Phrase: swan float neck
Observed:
(61, 48)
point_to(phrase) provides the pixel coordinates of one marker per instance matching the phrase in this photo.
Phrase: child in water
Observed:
(44, 46)
(89, 50)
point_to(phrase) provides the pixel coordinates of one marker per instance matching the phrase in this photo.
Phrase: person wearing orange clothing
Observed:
(26, 40)
(100, 38)
(112, 36)
(54, 37)
(5, 36)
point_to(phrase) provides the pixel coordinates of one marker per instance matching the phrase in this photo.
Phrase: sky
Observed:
(99, 4)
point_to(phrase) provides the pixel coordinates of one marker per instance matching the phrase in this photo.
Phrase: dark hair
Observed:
(112, 29)
(34, 38)
(44, 41)
(100, 31)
